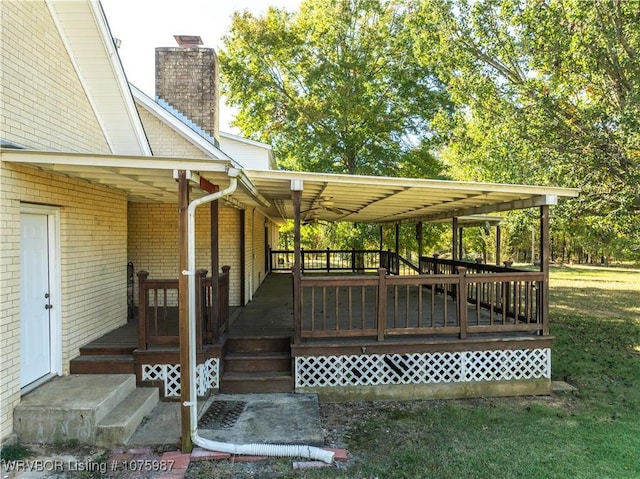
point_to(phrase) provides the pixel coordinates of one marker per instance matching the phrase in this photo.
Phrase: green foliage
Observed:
(14, 452)
(334, 88)
(547, 92)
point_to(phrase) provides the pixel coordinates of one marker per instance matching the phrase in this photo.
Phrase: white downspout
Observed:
(279, 450)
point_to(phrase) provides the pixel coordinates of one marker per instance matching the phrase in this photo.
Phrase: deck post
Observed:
(419, 238)
(201, 274)
(142, 310)
(381, 311)
(296, 192)
(454, 240)
(462, 301)
(544, 267)
(214, 319)
(183, 311)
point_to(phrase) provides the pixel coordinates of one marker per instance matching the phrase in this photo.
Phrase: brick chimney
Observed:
(187, 79)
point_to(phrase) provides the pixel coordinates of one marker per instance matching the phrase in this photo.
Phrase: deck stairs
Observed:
(98, 409)
(257, 364)
(109, 354)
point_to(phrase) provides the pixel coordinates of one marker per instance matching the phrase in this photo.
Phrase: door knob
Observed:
(48, 306)
(46, 295)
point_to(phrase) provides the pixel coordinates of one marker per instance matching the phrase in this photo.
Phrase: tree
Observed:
(547, 91)
(334, 88)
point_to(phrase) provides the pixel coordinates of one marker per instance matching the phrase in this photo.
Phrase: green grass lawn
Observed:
(591, 433)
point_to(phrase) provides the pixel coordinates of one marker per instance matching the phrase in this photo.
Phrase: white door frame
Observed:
(55, 284)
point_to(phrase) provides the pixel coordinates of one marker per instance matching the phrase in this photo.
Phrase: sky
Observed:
(143, 25)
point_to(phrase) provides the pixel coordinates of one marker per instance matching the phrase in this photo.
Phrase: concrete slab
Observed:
(267, 418)
(273, 419)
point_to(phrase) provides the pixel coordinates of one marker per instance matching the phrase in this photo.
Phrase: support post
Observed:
(498, 246)
(544, 267)
(381, 312)
(397, 271)
(214, 320)
(460, 243)
(183, 311)
(454, 241)
(381, 238)
(297, 262)
(419, 240)
(201, 302)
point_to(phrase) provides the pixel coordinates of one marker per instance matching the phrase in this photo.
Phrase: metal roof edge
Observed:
(390, 181)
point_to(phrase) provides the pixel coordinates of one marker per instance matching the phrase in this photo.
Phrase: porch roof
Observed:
(329, 197)
(369, 199)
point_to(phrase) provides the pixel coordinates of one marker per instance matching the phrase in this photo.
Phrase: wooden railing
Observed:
(341, 261)
(383, 305)
(158, 309)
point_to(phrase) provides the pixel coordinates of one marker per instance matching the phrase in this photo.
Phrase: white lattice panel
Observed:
(207, 376)
(422, 368)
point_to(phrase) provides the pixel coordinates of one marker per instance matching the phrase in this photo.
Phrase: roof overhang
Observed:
(367, 199)
(360, 199)
(142, 178)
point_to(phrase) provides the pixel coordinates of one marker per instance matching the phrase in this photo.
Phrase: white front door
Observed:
(35, 298)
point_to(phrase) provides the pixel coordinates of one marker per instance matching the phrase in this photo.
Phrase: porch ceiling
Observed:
(388, 200)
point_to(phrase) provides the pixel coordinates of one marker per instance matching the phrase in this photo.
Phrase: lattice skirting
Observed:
(422, 368)
(207, 376)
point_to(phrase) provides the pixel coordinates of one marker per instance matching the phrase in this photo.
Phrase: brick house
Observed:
(88, 184)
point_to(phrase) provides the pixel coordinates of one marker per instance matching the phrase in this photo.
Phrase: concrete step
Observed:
(69, 407)
(256, 382)
(257, 362)
(258, 344)
(103, 364)
(118, 426)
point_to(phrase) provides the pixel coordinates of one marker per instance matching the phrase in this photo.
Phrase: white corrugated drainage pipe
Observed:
(277, 450)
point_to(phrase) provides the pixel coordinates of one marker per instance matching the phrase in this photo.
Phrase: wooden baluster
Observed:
(142, 310)
(462, 301)
(381, 316)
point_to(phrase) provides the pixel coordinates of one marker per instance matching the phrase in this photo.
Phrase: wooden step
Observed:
(102, 350)
(257, 362)
(103, 364)
(258, 382)
(258, 344)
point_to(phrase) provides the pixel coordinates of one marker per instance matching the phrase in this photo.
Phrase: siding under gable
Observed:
(164, 140)
(43, 103)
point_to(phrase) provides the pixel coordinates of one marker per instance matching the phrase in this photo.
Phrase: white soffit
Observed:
(143, 179)
(84, 31)
(390, 200)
